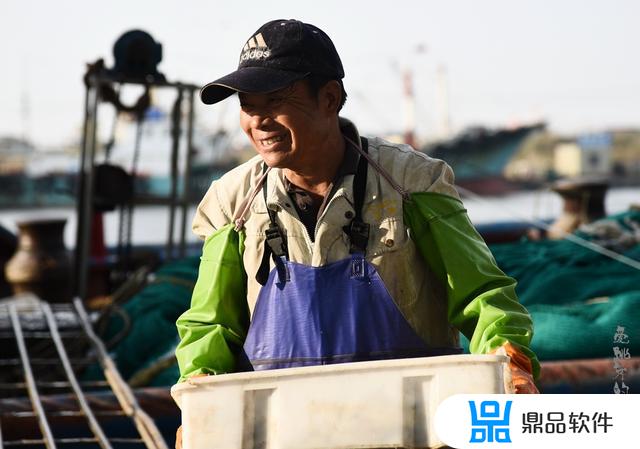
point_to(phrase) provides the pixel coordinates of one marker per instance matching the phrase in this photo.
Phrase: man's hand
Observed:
(522, 381)
(179, 431)
(520, 369)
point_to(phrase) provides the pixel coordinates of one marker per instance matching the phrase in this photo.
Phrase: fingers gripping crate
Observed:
(380, 404)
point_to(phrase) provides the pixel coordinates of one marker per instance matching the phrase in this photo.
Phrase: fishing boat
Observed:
(479, 156)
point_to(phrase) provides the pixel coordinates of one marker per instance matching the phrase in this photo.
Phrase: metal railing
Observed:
(44, 350)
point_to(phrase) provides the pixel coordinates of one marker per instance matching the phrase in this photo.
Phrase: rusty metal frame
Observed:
(145, 425)
(30, 380)
(82, 400)
(148, 433)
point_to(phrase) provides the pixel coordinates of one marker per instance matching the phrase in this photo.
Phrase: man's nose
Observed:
(260, 119)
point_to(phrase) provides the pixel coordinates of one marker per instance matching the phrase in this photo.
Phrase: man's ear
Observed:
(330, 96)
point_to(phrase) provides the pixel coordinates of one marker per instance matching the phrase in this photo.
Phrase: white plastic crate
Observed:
(380, 404)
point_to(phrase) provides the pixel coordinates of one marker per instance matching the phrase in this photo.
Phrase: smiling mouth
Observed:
(271, 140)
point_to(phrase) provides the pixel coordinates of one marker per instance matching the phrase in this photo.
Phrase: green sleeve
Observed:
(214, 328)
(482, 302)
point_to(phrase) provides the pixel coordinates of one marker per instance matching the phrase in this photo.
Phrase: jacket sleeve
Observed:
(482, 302)
(212, 331)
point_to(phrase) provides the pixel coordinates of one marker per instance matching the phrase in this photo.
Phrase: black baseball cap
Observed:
(277, 54)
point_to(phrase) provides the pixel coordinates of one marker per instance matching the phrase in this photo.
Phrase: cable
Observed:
(571, 237)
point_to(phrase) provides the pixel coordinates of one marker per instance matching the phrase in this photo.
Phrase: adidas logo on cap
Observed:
(255, 48)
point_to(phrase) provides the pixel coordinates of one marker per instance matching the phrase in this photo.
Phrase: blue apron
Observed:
(341, 312)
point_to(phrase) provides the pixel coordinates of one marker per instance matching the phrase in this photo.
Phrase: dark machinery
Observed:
(104, 186)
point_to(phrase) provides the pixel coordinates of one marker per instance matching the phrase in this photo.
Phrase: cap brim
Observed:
(258, 80)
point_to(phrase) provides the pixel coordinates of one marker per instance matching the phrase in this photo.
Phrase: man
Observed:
(344, 248)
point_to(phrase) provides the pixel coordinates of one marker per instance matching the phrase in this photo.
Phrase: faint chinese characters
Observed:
(488, 424)
(620, 352)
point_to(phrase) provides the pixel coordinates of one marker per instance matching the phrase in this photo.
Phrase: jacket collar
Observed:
(278, 198)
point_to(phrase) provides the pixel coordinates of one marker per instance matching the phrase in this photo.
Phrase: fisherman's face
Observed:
(286, 127)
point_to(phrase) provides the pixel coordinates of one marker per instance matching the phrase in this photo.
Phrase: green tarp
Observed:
(152, 313)
(577, 297)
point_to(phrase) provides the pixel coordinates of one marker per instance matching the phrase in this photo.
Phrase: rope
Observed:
(239, 219)
(380, 170)
(570, 237)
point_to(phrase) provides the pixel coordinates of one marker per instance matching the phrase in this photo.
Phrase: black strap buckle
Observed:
(275, 240)
(359, 236)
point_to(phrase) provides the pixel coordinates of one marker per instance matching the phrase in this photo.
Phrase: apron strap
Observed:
(358, 230)
(275, 245)
(275, 238)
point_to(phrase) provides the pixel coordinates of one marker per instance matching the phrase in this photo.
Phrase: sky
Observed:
(571, 63)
